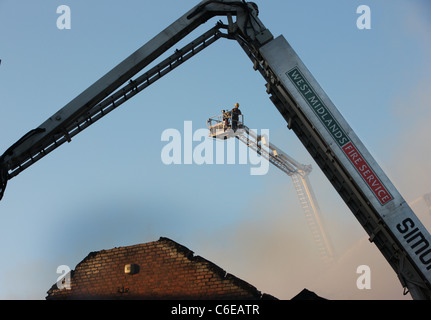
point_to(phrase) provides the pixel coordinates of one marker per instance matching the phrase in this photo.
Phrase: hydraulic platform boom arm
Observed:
(299, 174)
(355, 175)
(57, 129)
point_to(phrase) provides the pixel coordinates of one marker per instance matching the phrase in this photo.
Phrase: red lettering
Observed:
(369, 178)
(382, 194)
(367, 173)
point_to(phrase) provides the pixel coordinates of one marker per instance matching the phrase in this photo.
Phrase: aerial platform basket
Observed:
(220, 127)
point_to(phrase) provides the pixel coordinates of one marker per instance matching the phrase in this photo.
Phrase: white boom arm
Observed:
(101, 97)
(299, 174)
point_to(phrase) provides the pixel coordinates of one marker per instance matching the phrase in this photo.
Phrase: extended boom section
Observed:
(364, 187)
(299, 174)
(104, 95)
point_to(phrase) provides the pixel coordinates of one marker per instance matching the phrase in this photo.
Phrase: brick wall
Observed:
(164, 269)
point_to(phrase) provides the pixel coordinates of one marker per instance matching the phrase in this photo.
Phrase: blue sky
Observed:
(109, 187)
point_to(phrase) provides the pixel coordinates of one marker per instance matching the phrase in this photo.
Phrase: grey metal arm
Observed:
(80, 112)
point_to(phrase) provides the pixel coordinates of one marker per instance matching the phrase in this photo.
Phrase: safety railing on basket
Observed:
(221, 123)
